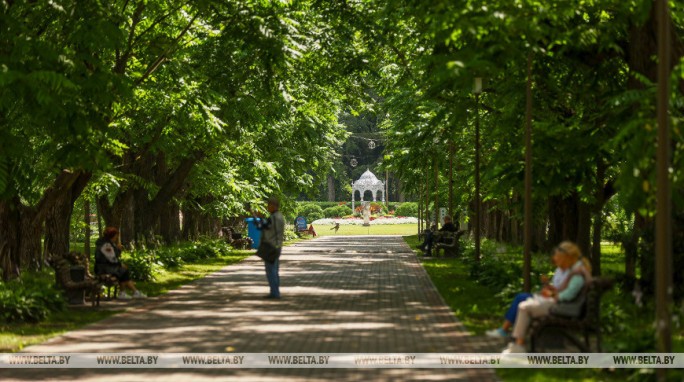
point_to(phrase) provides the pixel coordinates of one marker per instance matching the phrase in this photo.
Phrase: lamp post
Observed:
(477, 90)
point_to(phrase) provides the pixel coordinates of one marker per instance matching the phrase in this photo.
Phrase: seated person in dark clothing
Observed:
(448, 226)
(107, 255)
(426, 245)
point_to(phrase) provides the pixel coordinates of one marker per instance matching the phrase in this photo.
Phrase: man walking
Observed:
(272, 232)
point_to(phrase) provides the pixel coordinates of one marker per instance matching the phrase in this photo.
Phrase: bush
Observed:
(310, 211)
(290, 235)
(408, 209)
(499, 271)
(337, 212)
(323, 205)
(31, 298)
(205, 249)
(377, 208)
(142, 264)
(171, 257)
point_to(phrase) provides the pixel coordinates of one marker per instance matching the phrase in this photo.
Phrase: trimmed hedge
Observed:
(408, 209)
(310, 211)
(337, 212)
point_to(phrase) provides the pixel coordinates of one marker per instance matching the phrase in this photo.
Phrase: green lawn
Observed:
(387, 229)
(14, 337)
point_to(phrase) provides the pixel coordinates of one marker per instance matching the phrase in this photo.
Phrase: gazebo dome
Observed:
(368, 179)
(368, 182)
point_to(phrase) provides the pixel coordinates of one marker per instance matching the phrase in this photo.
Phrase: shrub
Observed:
(495, 272)
(142, 264)
(290, 234)
(205, 249)
(171, 257)
(337, 212)
(31, 298)
(311, 212)
(408, 209)
(377, 208)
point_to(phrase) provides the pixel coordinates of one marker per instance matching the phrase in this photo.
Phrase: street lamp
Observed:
(477, 90)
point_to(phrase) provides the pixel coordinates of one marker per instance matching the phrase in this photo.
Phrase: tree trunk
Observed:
(21, 226)
(436, 169)
(86, 242)
(30, 253)
(541, 240)
(170, 223)
(604, 191)
(596, 247)
(190, 224)
(122, 216)
(555, 213)
(515, 231)
(583, 226)
(402, 197)
(58, 217)
(331, 189)
(9, 238)
(571, 217)
(631, 246)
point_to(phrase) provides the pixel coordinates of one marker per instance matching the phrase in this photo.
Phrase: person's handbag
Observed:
(267, 251)
(570, 309)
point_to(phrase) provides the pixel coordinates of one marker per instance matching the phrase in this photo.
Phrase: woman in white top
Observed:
(569, 257)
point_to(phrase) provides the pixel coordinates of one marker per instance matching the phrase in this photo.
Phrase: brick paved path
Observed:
(340, 295)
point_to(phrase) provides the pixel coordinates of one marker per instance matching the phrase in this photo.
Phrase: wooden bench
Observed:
(235, 239)
(423, 234)
(108, 282)
(588, 323)
(71, 273)
(449, 242)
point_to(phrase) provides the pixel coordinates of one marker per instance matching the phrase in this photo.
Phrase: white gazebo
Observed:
(368, 182)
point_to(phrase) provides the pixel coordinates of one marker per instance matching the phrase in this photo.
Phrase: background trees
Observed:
(155, 107)
(146, 109)
(593, 104)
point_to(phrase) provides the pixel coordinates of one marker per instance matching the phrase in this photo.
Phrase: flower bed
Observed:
(373, 221)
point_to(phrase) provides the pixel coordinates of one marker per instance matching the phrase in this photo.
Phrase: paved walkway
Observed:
(340, 295)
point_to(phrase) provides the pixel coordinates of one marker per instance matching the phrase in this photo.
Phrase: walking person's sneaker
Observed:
(514, 348)
(123, 296)
(497, 333)
(139, 294)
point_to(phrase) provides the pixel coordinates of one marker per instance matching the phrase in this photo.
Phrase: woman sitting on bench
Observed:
(568, 257)
(107, 254)
(557, 281)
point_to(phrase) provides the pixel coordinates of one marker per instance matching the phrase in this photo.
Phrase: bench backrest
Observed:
(594, 290)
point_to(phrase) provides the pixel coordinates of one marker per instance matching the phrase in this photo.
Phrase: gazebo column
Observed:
(353, 197)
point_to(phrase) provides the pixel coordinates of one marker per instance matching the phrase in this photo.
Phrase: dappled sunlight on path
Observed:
(340, 295)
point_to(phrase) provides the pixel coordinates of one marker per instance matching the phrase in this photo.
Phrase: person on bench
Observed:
(107, 255)
(579, 272)
(426, 246)
(557, 281)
